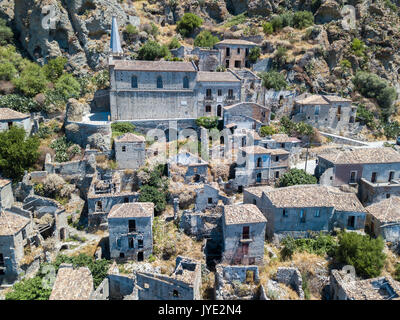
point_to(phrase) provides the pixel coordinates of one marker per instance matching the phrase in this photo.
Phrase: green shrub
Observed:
(345, 64)
(153, 194)
(277, 23)
(236, 20)
(295, 177)
(68, 87)
(293, 129)
(61, 146)
(365, 117)
(273, 80)
(205, 39)
(303, 19)
(188, 23)
(391, 129)
(32, 80)
(17, 152)
(29, 289)
(254, 54)
(6, 34)
(54, 68)
(131, 30)
(397, 272)
(207, 122)
(267, 131)
(364, 253)
(358, 47)
(7, 70)
(152, 50)
(174, 44)
(221, 68)
(268, 28)
(101, 79)
(19, 103)
(280, 56)
(122, 127)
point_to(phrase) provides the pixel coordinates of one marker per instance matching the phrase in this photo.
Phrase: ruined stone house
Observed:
(243, 229)
(130, 228)
(210, 196)
(235, 53)
(344, 286)
(130, 151)
(375, 170)
(6, 193)
(281, 141)
(246, 115)
(384, 219)
(183, 284)
(195, 169)
(72, 284)
(301, 209)
(9, 118)
(325, 112)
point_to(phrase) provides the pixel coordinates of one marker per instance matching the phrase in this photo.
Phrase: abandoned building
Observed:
(344, 286)
(106, 190)
(243, 229)
(130, 227)
(376, 170)
(326, 112)
(235, 53)
(204, 58)
(281, 141)
(16, 234)
(9, 118)
(257, 165)
(6, 193)
(236, 282)
(183, 284)
(192, 168)
(301, 209)
(209, 196)
(72, 284)
(246, 115)
(130, 151)
(384, 219)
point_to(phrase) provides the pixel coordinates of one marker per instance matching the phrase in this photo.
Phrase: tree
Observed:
(6, 33)
(205, 39)
(152, 194)
(32, 80)
(152, 50)
(303, 19)
(273, 80)
(7, 70)
(29, 289)
(188, 23)
(267, 131)
(296, 177)
(55, 68)
(207, 122)
(17, 152)
(67, 86)
(254, 54)
(364, 253)
(19, 103)
(122, 127)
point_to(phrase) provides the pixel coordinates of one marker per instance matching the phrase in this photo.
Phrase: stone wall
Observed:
(291, 277)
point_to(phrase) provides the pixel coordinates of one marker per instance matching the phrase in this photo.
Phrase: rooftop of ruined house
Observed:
(11, 223)
(381, 288)
(258, 191)
(387, 210)
(4, 182)
(72, 284)
(363, 155)
(9, 114)
(155, 66)
(204, 76)
(243, 213)
(130, 137)
(236, 42)
(132, 210)
(278, 151)
(246, 132)
(255, 150)
(317, 99)
(282, 138)
(308, 196)
(184, 274)
(189, 160)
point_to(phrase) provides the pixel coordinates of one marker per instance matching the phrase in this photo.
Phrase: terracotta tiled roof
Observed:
(363, 155)
(387, 210)
(307, 196)
(11, 223)
(237, 42)
(277, 151)
(258, 191)
(204, 76)
(135, 209)
(243, 213)
(72, 284)
(370, 289)
(156, 66)
(130, 137)
(4, 182)
(255, 150)
(321, 100)
(9, 114)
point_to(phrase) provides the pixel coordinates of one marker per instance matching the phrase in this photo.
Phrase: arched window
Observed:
(134, 83)
(159, 82)
(185, 83)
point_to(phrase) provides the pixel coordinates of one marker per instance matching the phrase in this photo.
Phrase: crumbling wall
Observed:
(291, 277)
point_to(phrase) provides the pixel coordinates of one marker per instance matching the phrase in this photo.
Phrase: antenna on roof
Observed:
(115, 43)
